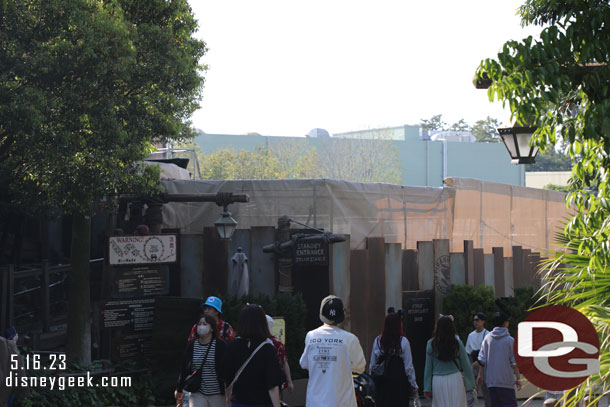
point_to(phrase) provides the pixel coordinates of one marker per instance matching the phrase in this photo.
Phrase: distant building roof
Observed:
(319, 133)
(448, 135)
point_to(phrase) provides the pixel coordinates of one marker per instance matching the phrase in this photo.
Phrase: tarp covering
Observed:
(491, 214)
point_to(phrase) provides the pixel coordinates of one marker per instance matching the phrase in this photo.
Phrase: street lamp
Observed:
(517, 142)
(225, 225)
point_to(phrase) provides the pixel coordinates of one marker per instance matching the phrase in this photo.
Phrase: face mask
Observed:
(203, 330)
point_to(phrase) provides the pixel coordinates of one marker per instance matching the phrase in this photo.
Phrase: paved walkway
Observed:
(533, 403)
(480, 403)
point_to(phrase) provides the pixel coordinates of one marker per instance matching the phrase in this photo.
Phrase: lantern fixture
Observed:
(517, 141)
(225, 225)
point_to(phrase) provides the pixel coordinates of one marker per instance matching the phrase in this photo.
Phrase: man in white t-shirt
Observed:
(473, 346)
(331, 355)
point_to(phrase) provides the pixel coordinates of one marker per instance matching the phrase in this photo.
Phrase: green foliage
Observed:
(360, 159)
(551, 160)
(554, 187)
(139, 393)
(486, 131)
(518, 306)
(291, 307)
(85, 88)
(561, 83)
(434, 123)
(461, 125)
(463, 301)
(356, 159)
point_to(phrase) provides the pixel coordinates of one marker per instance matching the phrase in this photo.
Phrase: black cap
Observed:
(331, 310)
(481, 315)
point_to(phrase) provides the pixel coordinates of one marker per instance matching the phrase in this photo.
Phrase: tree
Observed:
(486, 130)
(365, 160)
(460, 125)
(85, 87)
(551, 160)
(285, 159)
(358, 159)
(561, 82)
(434, 123)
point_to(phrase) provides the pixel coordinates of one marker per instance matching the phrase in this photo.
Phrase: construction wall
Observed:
(489, 214)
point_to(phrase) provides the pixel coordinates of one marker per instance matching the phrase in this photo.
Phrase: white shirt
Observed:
(331, 355)
(475, 339)
(405, 354)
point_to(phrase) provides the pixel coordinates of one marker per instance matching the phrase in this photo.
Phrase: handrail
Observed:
(53, 269)
(8, 275)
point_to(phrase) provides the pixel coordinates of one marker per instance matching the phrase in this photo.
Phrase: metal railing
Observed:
(8, 296)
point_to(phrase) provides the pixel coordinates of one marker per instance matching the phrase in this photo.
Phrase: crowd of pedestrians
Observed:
(249, 368)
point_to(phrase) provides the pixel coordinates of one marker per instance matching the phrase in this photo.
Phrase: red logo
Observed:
(557, 348)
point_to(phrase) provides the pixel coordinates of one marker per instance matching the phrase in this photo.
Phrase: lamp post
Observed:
(517, 139)
(225, 225)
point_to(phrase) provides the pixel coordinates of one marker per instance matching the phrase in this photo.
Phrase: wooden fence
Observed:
(382, 272)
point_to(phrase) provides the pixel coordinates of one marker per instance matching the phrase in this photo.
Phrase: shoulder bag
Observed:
(378, 369)
(243, 366)
(192, 382)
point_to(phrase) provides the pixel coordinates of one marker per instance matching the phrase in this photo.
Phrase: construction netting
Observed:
(490, 214)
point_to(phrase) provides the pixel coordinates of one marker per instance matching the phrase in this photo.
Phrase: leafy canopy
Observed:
(85, 88)
(561, 83)
(353, 159)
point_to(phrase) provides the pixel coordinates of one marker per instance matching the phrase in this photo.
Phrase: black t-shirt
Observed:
(262, 373)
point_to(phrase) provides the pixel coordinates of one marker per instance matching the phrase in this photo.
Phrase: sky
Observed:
(282, 68)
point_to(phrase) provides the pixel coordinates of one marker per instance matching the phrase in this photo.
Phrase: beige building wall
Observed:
(539, 179)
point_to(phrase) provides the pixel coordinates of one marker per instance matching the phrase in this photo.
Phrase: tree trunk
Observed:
(78, 347)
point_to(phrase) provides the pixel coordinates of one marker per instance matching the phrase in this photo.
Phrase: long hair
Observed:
(391, 335)
(253, 323)
(444, 342)
(211, 322)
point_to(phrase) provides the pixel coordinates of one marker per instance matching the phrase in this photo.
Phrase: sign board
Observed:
(133, 315)
(140, 281)
(419, 322)
(279, 329)
(311, 251)
(151, 249)
(131, 346)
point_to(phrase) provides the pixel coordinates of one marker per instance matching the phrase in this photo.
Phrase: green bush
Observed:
(517, 307)
(462, 301)
(291, 307)
(138, 394)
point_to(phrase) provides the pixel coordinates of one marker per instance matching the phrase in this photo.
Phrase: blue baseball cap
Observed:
(11, 332)
(213, 302)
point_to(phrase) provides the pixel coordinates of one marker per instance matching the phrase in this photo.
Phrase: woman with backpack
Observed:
(250, 368)
(448, 373)
(200, 367)
(392, 365)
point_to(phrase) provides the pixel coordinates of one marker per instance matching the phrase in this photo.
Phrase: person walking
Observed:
(331, 355)
(204, 355)
(473, 346)
(250, 368)
(395, 386)
(448, 373)
(213, 307)
(498, 364)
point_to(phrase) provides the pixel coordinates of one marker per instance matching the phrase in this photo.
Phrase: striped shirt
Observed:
(209, 379)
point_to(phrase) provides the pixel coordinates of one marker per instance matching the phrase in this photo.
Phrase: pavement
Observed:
(533, 403)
